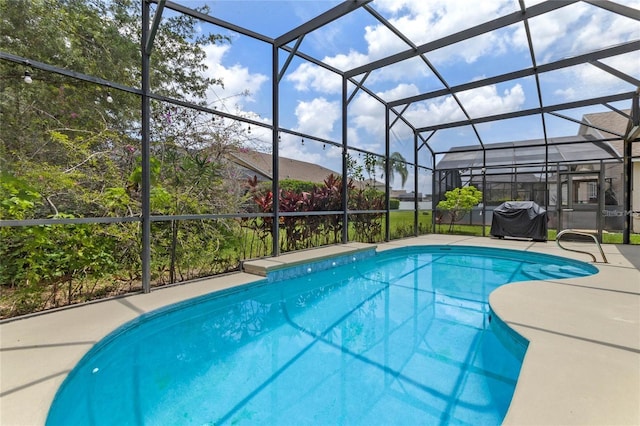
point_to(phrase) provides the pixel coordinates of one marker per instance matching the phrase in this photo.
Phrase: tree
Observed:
(459, 201)
(62, 134)
(398, 165)
(68, 151)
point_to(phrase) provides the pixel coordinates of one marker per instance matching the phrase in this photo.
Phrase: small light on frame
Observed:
(27, 77)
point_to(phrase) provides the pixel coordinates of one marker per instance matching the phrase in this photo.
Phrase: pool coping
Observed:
(582, 366)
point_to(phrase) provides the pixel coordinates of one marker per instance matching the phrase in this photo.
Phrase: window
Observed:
(593, 192)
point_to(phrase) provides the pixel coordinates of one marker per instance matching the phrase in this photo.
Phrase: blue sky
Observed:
(310, 96)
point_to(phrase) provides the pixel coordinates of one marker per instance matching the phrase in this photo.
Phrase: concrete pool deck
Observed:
(582, 366)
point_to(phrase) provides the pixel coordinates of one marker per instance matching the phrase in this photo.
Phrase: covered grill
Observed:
(523, 219)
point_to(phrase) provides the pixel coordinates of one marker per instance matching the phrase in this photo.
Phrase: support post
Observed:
(484, 199)
(416, 205)
(275, 175)
(434, 201)
(631, 134)
(345, 153)
(146, 153)
(627, 191)
(600, 220)
(387, 192)
(484, 192)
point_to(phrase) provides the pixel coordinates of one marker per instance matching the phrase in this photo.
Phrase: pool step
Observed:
(539, 271)
(300, 263)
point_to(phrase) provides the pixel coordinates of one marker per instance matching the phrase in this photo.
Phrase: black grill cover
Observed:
(524, 219)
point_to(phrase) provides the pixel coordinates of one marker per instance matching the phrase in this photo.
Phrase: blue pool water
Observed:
(400, 337)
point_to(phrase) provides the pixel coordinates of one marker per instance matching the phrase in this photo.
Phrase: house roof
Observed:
(526, 153)
(369, 183)
(613, 121)
(260, 164)
(599, 138)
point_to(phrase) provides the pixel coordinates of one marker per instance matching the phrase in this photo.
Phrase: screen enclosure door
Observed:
(580, 202)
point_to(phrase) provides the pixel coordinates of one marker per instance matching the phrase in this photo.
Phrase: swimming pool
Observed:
(399, 337)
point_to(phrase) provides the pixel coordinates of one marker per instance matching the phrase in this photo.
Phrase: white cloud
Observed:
(423, 21)
(443, 110)
(317, 117)
(368, 115)
(605, 29)
(478, 102)
(291, 147)
(350, 60)
(420, 22)
(568, 93)
(487, 101)
(576, 29)
(586, 80)
(312, 152)
(308, 76)
(401, 91)
(549, 29)
(560, 33)
(353, 136)
(382, 42)
(426, 21)
(237, 79)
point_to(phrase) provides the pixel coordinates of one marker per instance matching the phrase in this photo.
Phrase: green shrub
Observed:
(290, 185)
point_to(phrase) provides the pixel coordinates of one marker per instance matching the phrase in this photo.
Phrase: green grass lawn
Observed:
(607, 237)
(401, 220)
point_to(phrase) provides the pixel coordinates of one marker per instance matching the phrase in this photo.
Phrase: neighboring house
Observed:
(370, 183)
(403, 195)
(260, 164)
(576, 190)
(617, 123)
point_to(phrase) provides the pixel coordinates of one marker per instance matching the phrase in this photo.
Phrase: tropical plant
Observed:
(310, 230)
(398, 165)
